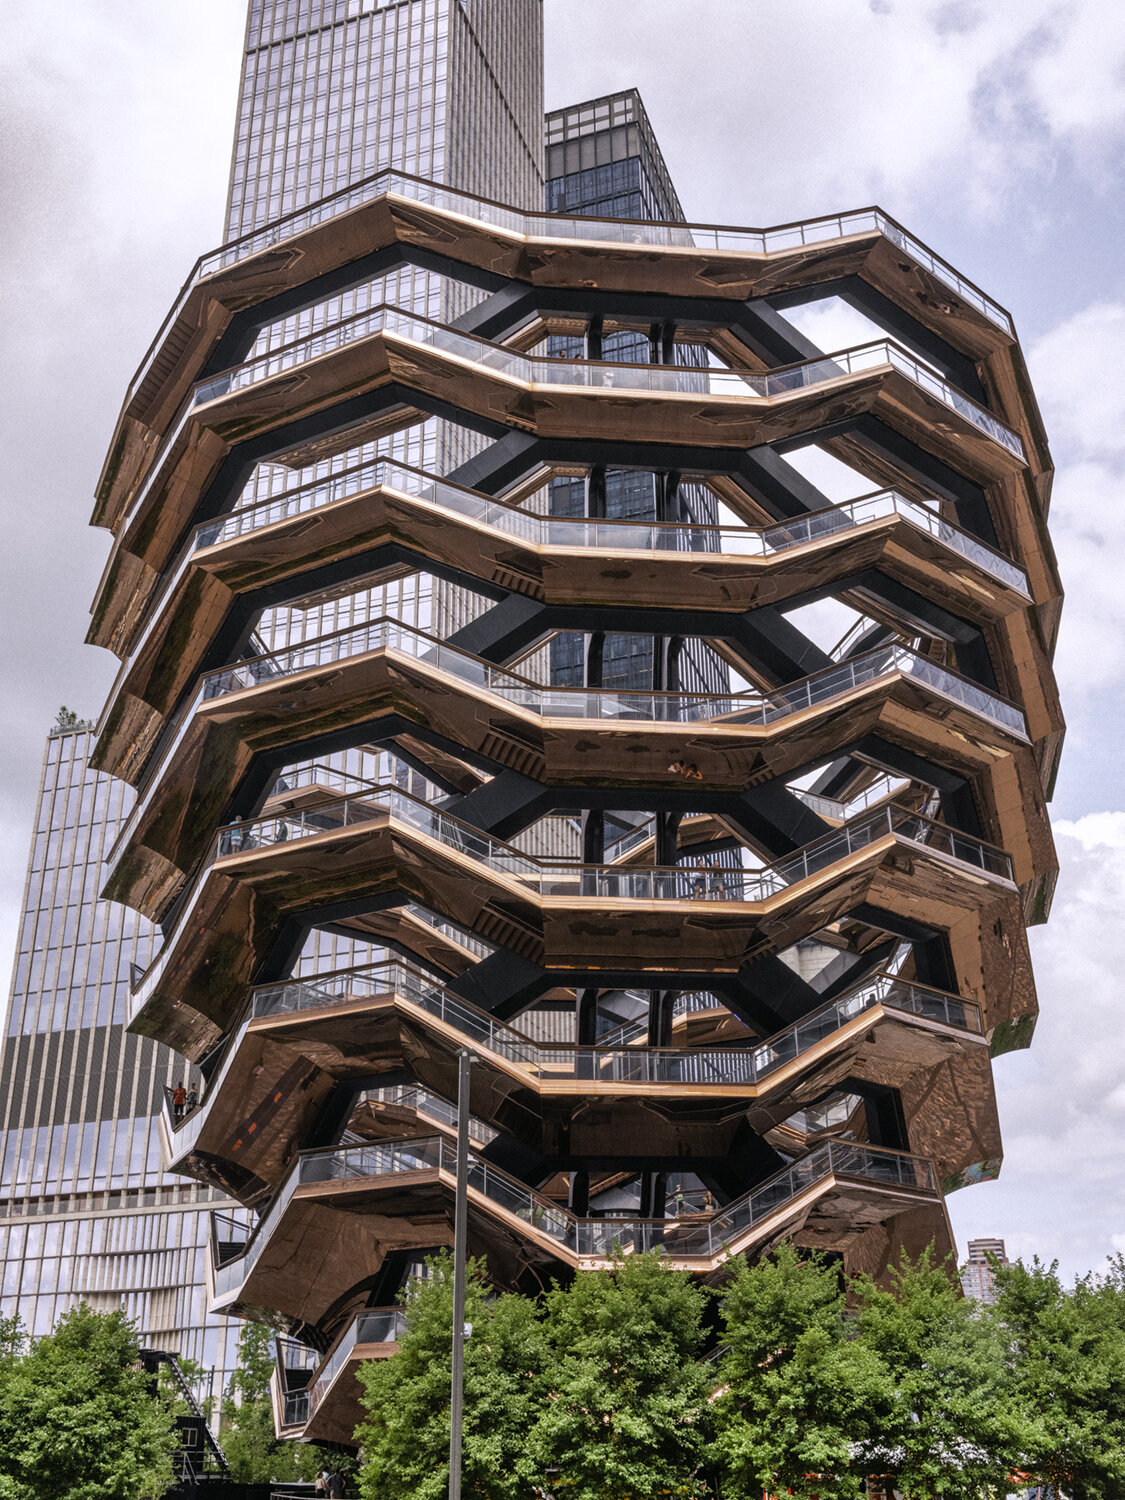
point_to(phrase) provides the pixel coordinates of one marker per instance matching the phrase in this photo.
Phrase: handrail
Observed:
(383, 1325)
(425, 1102)
(727, 239)
(582, 1238)
(751, 707)
(631, 536)
(570, 879)
(627, 536)
(667, 379)
(758, 706)
(617, 1063)
(562, 877)
(387, 318)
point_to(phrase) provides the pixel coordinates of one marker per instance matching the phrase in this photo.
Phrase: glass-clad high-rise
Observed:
(86, 1209)
(335, 90)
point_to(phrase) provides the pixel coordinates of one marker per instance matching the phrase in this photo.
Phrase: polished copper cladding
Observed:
(766, 1006)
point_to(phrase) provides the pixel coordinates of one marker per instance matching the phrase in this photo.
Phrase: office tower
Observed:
(86, 1210)
(815, 931)
(978, 1277)
(333, 91)
(603, 160)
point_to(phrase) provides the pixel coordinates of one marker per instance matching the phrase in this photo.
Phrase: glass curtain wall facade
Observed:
(336, 90)
(85, 1210)
(603, 161)
(332, 92)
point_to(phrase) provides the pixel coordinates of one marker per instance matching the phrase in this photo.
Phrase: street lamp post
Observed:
(465, 1060)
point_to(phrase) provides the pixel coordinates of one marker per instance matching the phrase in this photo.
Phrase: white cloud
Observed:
(1094, 830)
(1075, 367)
(794, 105)
(1062, 1191)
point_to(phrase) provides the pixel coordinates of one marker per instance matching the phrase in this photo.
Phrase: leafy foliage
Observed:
(800, 1393)
(78, 1420)
(406, 1436)
(1068, 1353)
(627, 1413)
(598, 1391)
(953, 1422)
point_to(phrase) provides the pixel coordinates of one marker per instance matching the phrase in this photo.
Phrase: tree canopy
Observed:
(626, 1414)
(78, 1419)
(1067, 1351)
(406, 1435)
(799, 1391)
(598, 1388)
(953, 1422)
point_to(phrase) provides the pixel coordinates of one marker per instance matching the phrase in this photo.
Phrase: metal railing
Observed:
(598, 1239)
(726, 239)
(424, 1101)
(882, 788)
(591, 374)
(623, 536)
(723, 1065)
(547, 878)
(544, 878)
(581, 703)
(382, 1325)
(615, 1061)
(730, 239)
(751, 707)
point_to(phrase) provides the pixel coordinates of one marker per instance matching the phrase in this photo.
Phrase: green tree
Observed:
(956, 1423)
(253, 1450)
(77, 1418)
(406, 1435)
(13, 1342)
(798, 1392)
(627, 1414)
(1068, 1348)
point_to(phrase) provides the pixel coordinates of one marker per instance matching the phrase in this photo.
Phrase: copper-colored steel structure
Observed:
(818, 912)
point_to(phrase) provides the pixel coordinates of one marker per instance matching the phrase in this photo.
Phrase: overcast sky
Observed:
(996, 131)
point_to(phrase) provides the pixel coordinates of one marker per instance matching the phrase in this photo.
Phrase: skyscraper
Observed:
(86, 1209)
(333, 91)
(978, 1276)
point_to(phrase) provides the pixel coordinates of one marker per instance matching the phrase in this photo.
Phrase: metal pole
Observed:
(465, 1060)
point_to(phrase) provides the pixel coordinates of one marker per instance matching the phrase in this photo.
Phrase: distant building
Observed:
(86, 1210)
(978, 1279)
